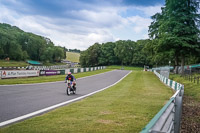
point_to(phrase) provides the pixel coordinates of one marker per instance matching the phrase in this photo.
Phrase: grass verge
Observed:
(123, 108)
(190, 121)
(190, 89)
(42, 79)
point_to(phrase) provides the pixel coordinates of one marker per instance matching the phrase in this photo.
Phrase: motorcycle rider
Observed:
(71, 78)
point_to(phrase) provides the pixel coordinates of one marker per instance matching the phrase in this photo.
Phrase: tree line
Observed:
(74, 50)
(174, 36)
(16, 44)
(122, 52)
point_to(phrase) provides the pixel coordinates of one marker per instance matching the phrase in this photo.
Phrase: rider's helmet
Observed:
(69, 73)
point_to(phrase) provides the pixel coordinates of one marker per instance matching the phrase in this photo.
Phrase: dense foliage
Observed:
(116, 53)
(19, 45)
(175, 32)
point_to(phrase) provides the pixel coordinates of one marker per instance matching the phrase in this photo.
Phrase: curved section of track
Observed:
(21, 100)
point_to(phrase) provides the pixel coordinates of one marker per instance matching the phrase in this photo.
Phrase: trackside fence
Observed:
(167, 120)
(4, 74)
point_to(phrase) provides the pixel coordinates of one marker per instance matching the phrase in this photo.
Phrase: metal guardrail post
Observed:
(178, 110)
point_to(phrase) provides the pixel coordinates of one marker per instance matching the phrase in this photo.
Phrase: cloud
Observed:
(143, 2)
(150, 10)
(78, 24)
(139, 23)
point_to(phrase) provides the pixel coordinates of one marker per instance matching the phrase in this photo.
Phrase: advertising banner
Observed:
(50, 72)
(18, 73)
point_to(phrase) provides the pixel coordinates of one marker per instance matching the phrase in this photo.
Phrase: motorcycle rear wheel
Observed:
(74, 90)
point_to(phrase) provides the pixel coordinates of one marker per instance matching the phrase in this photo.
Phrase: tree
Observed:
(93, 54)
(58, 54)
(176, 29)
(84, 58)
(124, 51)
(107, 55)
(141, 57)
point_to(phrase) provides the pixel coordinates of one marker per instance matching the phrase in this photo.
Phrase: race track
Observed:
(20, 100)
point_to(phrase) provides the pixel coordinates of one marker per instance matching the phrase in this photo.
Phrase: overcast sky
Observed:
(81, 23)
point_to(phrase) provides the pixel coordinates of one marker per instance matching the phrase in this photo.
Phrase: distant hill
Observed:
(18, 45)
(73, 57)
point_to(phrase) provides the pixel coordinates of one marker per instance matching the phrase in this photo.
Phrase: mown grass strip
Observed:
(42, 79)
(123, 108)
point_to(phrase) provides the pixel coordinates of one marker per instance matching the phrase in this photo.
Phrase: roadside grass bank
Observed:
(4, 63)
(124, 108)
(190, 121)
(42, 79)
(12, 63)
(53, 64)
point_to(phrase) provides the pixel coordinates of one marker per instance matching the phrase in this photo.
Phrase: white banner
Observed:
(75, 70)
(18, 73)
(67, 70)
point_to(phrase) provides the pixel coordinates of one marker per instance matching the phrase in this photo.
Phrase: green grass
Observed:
(52, 64)
(124, 108)
(42, 79)
(72, 56)
(190, 88)
(125, 68)
(4, 63)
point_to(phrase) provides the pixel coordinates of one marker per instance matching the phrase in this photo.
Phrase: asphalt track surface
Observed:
(20, 100)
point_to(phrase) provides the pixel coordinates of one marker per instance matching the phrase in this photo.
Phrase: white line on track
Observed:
(58, 81)
(56, 106)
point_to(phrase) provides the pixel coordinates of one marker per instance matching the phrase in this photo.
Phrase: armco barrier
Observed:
(78, 70)
(167, 120)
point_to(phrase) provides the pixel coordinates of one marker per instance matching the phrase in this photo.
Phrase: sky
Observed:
(81, 23)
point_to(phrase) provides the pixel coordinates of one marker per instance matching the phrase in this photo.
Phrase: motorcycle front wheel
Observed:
(68, 91)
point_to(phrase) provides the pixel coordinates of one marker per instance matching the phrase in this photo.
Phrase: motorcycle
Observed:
(71, 87)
